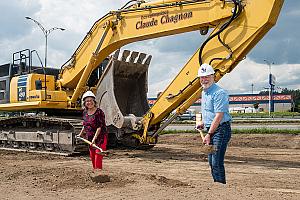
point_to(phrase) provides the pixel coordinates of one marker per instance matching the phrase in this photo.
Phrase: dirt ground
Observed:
(257, 167)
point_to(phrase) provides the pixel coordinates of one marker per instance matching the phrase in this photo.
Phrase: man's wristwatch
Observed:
(210, 133)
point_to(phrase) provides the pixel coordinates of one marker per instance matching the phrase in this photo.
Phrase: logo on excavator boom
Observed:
(165, 19)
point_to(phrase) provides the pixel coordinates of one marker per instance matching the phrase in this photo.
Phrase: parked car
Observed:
(188, 115)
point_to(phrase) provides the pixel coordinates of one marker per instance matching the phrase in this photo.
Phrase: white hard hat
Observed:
(205, 70)
(88, 94)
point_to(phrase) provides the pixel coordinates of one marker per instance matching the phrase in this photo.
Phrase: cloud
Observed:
(249, 72)
(12, 12)
(281, 42)
(170, 53)
(241, 78)
(77, 17)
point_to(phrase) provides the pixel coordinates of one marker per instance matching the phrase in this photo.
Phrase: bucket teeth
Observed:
(133, 56)
(116, 54)
(148, 60)
(141, 58)
(125, 55)
(128, 56)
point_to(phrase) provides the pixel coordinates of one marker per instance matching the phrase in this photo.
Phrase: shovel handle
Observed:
(201, 133)
(88, 142)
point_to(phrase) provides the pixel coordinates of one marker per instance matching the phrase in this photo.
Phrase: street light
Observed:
(271, 87)
(46, 33)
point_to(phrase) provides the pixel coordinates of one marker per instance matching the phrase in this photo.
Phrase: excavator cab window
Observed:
(38, 85)
(4, 70)
(2, 90)
(97, 73)
(14, 70)
(5, 78)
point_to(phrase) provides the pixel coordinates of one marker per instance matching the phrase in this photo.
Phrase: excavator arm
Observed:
(226, 46)
(137, 22)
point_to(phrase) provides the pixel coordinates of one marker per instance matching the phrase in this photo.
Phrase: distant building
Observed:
(242, 101)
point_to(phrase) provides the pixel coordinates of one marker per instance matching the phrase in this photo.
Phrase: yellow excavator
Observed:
(119, 79)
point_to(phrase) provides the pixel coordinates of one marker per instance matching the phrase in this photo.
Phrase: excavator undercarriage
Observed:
(41, 134)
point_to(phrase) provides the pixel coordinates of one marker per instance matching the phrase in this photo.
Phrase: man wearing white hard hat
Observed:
(216, 119)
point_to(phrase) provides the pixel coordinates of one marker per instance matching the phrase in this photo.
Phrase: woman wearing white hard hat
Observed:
(94, 128)
(216, 119)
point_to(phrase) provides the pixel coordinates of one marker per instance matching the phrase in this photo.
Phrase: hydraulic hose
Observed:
(236, 12)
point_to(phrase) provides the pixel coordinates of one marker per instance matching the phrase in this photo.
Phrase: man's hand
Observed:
(206, 139)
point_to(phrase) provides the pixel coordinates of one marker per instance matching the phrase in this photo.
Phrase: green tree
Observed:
(295, 98)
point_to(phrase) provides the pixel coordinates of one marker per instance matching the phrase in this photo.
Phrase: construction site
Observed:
(97, 102)
(258, 166)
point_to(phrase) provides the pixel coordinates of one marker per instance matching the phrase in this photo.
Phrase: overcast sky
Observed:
(280, 46)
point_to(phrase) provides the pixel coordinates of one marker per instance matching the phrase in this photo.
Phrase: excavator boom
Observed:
(136, 23)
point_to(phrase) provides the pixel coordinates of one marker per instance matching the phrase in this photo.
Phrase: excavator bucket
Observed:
(122, 90)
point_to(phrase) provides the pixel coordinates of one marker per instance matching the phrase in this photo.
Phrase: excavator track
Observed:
(51, 135)
(41, 134)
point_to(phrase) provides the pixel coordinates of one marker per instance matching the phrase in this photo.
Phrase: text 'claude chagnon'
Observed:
(165, 19)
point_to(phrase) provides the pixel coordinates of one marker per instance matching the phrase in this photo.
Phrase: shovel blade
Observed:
(103, 153)
(209, 149)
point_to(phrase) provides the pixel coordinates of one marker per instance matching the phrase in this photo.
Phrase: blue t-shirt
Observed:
(214, 99)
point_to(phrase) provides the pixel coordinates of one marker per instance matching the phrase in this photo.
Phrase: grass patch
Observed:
(271, 121)
(177, 131)
(241, 131)
(265, 131)
(266, 115)
(247, 121)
